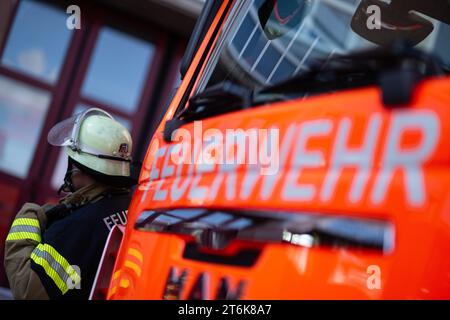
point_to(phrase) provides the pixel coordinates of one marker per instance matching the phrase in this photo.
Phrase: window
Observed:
(22, 113)
(36, 48)
(118, 70)
(37, 42)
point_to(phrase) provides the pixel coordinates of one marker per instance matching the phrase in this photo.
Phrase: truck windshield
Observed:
(267, 41)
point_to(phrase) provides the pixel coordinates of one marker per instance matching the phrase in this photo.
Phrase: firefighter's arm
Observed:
(22, 239)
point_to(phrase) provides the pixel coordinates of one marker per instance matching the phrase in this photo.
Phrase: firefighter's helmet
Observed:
(96, 141)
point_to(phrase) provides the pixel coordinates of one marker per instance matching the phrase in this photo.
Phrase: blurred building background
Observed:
(124, 59)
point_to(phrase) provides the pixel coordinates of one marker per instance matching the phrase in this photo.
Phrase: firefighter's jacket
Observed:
(54, 253)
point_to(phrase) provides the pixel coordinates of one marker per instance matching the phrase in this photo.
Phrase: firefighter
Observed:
(53, 251)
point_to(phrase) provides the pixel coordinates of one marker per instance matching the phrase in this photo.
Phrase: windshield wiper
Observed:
(220, 98)
(396, 70)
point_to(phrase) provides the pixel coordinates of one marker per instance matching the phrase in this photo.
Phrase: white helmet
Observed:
(96, 141)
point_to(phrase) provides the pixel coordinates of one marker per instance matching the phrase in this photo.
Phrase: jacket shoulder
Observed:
(33, 210)
(30, 207)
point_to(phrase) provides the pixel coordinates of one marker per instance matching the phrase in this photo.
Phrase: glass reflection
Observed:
(22, 113)
(38, 41)
(118, 70)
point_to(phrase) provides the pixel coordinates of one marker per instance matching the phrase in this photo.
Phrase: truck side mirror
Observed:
(277, 17)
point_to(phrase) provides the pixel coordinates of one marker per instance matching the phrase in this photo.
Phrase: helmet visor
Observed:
(62, 133)
(65, 133)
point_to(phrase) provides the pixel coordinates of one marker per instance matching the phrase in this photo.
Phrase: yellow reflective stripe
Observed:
(116, 274)
(50, 272)
(26, 222)
(112, 292)
(135, 253)
(23, 236)
(62, 261)
(64, 267)
(133, 266)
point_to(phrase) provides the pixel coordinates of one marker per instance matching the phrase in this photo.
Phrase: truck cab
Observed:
(305, 155)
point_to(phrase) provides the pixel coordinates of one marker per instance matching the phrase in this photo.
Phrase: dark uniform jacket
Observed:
(57, 258)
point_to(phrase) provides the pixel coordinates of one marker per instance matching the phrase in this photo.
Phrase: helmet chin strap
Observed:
(68, 186)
